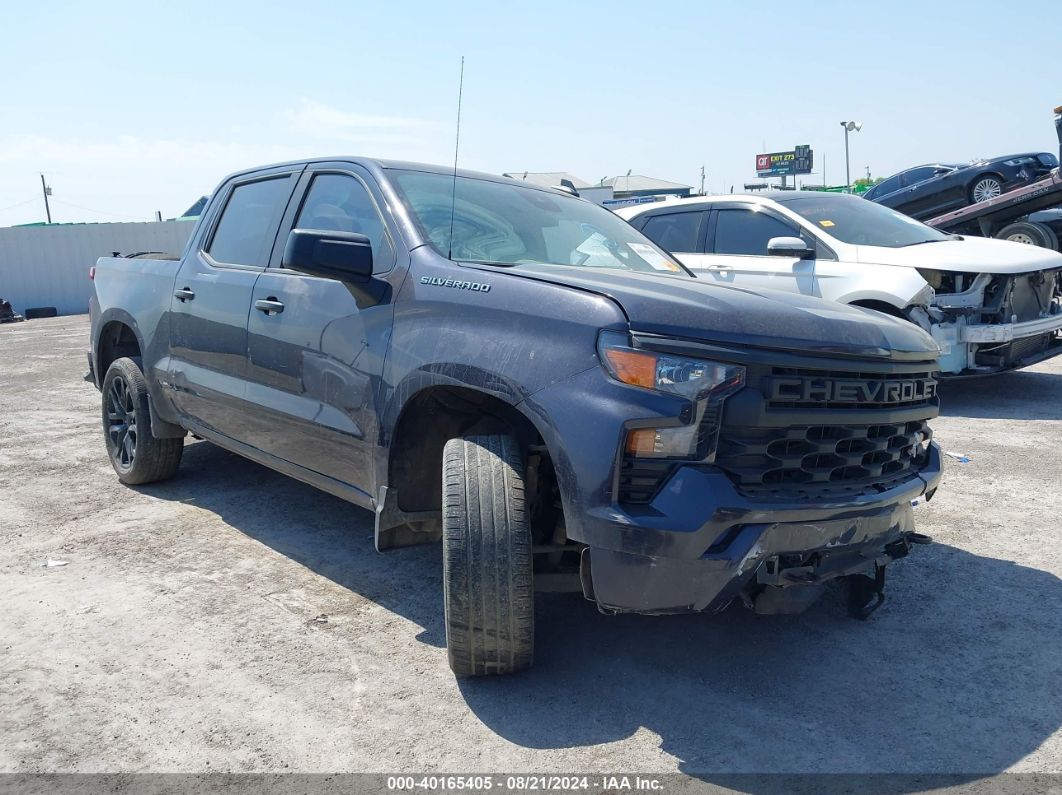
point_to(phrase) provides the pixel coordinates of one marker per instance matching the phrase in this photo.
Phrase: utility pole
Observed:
(847, 174)
(702, 180)
(47, 192)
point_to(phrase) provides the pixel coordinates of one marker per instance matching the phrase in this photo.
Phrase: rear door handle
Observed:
(271, 306)
(184, 294)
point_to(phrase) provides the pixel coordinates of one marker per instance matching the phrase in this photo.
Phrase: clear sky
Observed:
(131, 107)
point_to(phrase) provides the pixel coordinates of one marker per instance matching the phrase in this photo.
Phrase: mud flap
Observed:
(866, 594)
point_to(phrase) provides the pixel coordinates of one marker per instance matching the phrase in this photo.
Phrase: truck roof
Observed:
(377, 164)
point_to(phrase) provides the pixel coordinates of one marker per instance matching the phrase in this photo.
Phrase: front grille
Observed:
(807, 428)
(815, 461)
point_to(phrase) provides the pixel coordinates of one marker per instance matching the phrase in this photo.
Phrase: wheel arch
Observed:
(426, 421)
(118, 336)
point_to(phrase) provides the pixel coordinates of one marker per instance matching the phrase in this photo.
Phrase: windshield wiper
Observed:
(492, 263)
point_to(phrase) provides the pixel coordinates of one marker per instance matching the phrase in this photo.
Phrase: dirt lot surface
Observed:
(181, 634)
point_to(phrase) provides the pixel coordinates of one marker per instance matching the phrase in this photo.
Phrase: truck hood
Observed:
(699, 310)
(969, 255)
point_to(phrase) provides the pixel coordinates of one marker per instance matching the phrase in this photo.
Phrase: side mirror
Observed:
(346, 256)
(789, 247)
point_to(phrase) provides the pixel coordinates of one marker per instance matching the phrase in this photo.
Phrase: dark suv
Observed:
(926, 191)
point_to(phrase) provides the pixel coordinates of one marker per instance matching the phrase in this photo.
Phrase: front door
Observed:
(736, 248)
(212, 296)
(317, 346)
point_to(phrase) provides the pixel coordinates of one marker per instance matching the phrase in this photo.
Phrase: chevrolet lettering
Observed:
(831, 390)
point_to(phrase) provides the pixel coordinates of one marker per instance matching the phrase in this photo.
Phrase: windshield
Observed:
(854, 220)
(501, 224)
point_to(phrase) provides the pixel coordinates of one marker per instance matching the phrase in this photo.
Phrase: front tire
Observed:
(487, 572)
(986, 188)
(136, 455)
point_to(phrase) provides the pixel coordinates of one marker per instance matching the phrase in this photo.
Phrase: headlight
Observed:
(1019, 161)
(705, 383)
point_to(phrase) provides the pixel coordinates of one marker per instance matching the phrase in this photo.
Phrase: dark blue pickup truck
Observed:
(521, 374)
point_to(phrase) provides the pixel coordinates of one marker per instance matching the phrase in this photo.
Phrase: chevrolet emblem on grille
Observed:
(794, 389)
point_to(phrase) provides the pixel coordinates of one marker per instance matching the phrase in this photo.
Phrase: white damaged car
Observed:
(991, 305)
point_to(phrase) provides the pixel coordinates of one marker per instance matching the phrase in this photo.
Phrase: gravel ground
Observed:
(181, 636)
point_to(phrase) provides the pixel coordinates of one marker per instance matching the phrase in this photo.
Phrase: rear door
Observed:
(737, 246)
(317, 346)
(680, 231)
(212, 296)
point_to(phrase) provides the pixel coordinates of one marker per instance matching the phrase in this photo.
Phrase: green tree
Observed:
(865, 183)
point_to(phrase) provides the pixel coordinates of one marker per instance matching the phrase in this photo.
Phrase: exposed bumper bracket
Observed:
(1006, 332)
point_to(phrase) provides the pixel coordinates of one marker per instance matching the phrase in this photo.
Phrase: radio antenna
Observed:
(457, 147)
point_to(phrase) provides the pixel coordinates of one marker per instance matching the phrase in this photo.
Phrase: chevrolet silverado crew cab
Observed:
(991, 305)
(523, 375)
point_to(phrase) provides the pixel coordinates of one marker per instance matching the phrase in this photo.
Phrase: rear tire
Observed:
(136, 455)
(487, 572)
(1030, 233)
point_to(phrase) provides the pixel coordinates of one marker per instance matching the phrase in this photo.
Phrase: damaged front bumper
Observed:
(986, 348)
(988, 323)
(776, 557)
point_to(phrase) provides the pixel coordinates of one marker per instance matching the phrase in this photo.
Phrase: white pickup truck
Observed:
(991, 305)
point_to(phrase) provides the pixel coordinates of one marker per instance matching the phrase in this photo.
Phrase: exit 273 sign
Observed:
(776, 164)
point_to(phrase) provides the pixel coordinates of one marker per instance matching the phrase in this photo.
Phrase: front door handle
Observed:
(270, 305)
(184, 294)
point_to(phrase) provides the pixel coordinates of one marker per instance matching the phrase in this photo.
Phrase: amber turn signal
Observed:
(637, 368)
(641, 443)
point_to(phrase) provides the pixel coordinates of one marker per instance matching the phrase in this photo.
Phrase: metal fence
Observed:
(43, 266)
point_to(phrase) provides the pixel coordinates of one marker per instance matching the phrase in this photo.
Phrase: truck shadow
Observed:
(1022, 395)
(957, 673)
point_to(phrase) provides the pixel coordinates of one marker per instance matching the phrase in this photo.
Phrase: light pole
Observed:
(850, 126)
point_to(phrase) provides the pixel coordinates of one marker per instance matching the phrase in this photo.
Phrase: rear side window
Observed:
(675, 232)
(244, 235)
(340, 203)
(748, 232)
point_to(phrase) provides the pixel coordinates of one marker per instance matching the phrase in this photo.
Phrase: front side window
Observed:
(341, 203)
(498, 223)
(888, 186)
(748, 232)
(676, 232)
(248, 225)
(916, 175)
